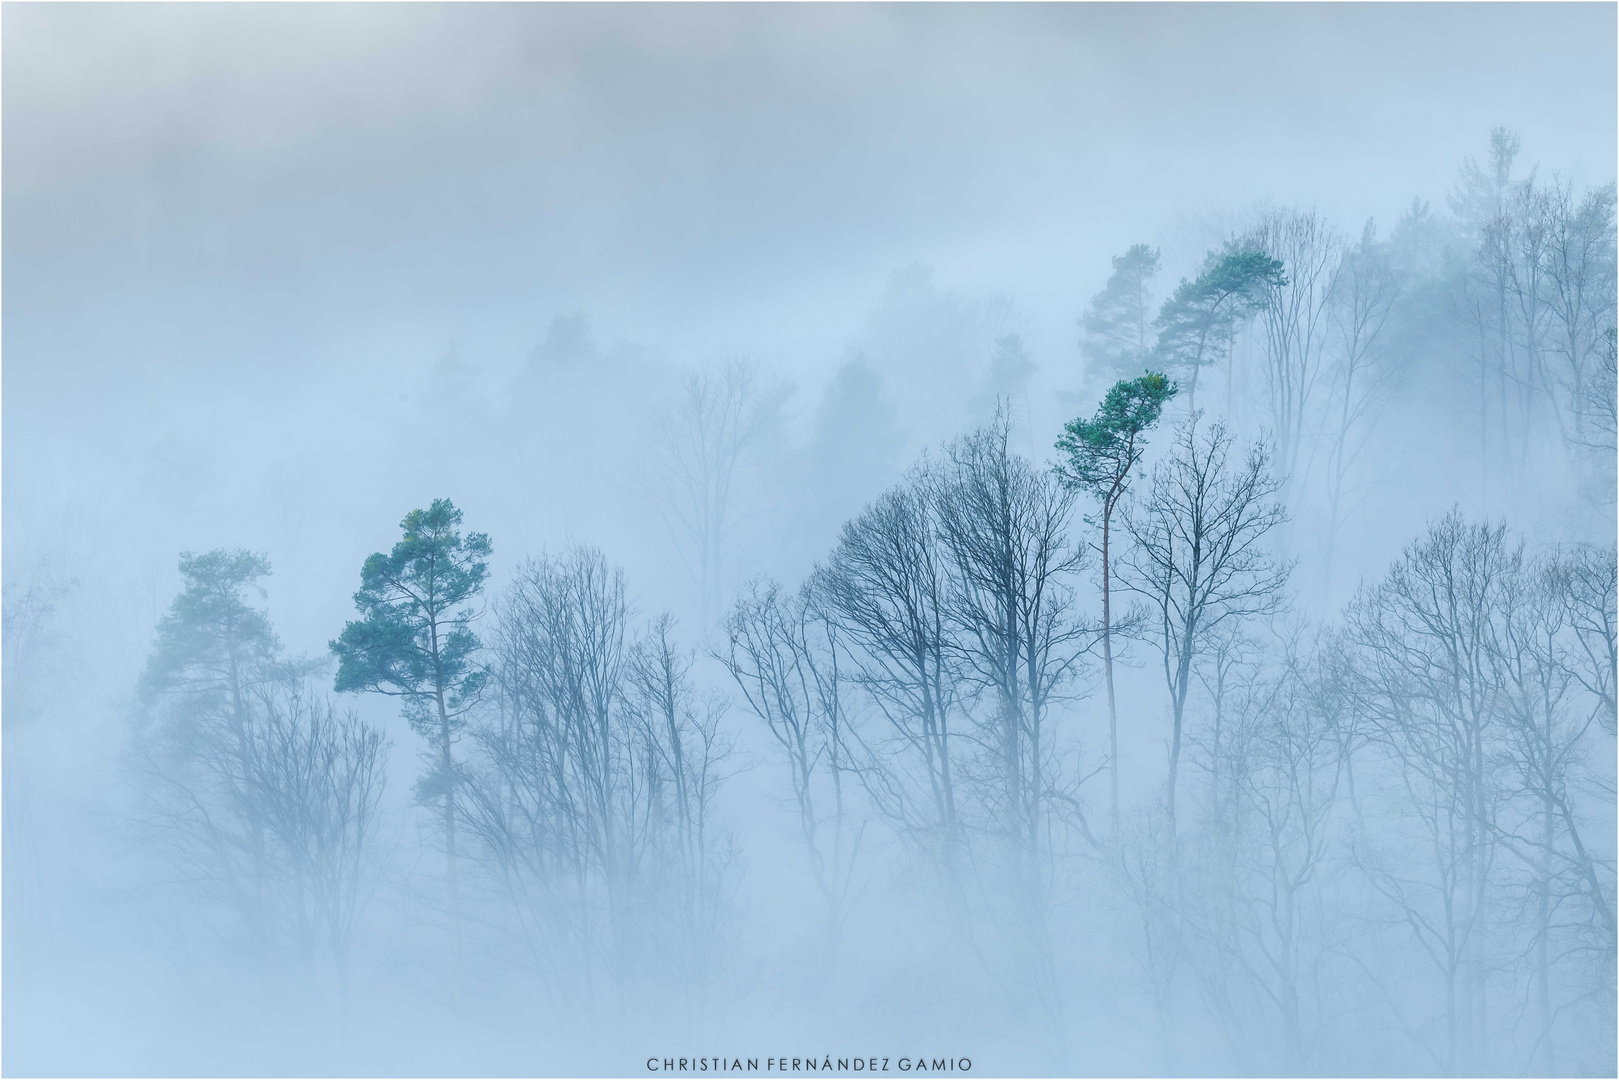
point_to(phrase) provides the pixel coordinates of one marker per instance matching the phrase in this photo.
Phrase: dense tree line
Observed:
(1428, 776)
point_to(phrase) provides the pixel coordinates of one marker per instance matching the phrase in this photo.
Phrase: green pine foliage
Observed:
(414, 639)
(1098, 453)
(1202, 314)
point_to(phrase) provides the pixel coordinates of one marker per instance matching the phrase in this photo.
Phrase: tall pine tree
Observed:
(1098, 456)
(414, 641)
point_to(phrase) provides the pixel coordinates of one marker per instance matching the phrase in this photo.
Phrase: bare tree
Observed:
(1542, 740)
(1587, 580)
(1199, 558)
(1279, 760)
(527, 819)
(591, 793)
(1004, 526)
(559, 805)
(316, 777)
(1428, 683)
(1600, 418)
(885, 588)
(785, 661)
(1480, 200)
(1580, 279)
(1518, 245)
(1149, 887)
(687, 760)
(1480, 295)
(1581, 583)
(1601, 407)
(1544, 300)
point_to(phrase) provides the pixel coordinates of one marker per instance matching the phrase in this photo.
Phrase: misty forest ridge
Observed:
(546, 542)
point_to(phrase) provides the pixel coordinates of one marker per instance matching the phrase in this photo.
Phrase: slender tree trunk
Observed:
(1480, 1021)
(1107, 664)
(1450, 1019)
(1548, 1059)
(447, 763)
(1179, 705)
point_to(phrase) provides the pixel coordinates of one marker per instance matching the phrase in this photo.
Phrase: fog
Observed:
(755, 390)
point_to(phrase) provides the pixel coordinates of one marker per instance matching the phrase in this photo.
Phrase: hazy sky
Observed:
(195, 189)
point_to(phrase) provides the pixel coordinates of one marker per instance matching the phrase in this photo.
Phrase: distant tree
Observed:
(213, 651)
(1198, 320)
(1541, 293)
(933, 342)
(1007, 386)
(1485, 201)
(1148, 879)
(212, 646)
(414, 641)
(32, 662)
(1295, 315)
(1118, 325)
(1098, 456)
(1580, 282)
(704, 441)
(259, 795)
(1363, 295)
(855, 445)
(1481, 191)
(28, 618)
(1515, 258)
